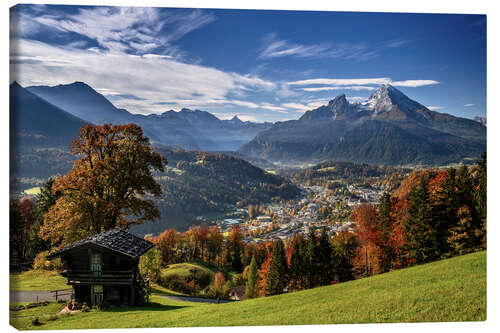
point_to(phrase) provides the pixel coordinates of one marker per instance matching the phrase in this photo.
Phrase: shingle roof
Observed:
(116, 240)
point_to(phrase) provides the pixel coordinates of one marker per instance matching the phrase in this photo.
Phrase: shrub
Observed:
(150, 265)
(17, 307)
(42, 263)
(85, 308)
(36, 321)
(179, 283)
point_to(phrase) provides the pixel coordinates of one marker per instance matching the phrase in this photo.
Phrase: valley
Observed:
(219, 167)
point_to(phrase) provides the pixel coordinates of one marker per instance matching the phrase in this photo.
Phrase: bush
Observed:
(85, 308)
(17, 307)
(42, 263)
(150, 265)
(36, 321)
(181, 284)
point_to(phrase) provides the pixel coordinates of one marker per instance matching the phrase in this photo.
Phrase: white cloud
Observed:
(274, 48)
(158, 80)
(306, 105)
(343, 82)
(414, 83)
(119, 29)
(468, 105)
(435, 108)
(355, 88)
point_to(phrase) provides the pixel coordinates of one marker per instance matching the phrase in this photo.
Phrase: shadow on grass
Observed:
(151, 306)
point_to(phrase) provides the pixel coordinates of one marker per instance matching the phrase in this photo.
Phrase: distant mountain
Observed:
(481, 120)
(389, 128)
(35, 122)
(187, 129)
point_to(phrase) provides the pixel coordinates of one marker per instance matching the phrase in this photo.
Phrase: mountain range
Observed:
(389, 128)
(36, 122)
(186, 129)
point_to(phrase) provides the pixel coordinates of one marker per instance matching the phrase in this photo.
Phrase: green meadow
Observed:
(447, 290)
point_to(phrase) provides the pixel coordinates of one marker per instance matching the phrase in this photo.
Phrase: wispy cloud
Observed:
(435, 108)
(343, 82)
(324, 84)
(119, 29)
(355, 88)
(414, 83)
(468, 105)
(275, 47)
(152, 78)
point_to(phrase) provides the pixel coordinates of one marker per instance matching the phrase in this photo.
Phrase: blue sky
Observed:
(259, 65)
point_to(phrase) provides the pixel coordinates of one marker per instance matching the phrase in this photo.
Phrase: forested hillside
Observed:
(196, 183)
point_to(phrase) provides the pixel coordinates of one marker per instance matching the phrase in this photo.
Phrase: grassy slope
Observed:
(22, 320)
(448, 290)
(37, 280)
(185, 269)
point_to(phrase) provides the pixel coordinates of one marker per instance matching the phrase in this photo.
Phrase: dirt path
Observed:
(194, 299)
(33, 295)
(41, 295)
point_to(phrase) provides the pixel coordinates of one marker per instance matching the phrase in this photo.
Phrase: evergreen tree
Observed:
(324, 260)
(480, 197)
(310, 260)
(466, 234)
(422, 241)
(385, 228)
(297, 264)
(278, 271)
(252, 285)
(345, 247)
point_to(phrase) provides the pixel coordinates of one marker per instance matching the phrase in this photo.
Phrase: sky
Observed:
(260, 65)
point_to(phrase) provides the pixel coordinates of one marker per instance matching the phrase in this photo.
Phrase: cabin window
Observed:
(97, 294)
(96, 264)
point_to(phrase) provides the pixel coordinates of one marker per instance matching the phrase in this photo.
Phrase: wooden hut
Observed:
(104, 268)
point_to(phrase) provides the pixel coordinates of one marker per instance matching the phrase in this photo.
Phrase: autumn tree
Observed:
(365, 217)
(219, 284)
(109, 185)
(252, 285)
(167, 244)
(235, 246)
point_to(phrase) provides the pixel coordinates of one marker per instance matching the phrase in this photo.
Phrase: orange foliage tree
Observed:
(108, 185)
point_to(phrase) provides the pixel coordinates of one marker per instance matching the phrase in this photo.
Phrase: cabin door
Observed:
(97, 295)
(96, 264)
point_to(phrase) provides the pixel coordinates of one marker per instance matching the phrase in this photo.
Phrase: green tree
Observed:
(466, 234)
(252, 285)
(345, 247)
(324, 261)
(297, 264)
(44, 200)
(277, 278)
(385, 228)
(480, 197)
(422, 241)
(310, 255)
